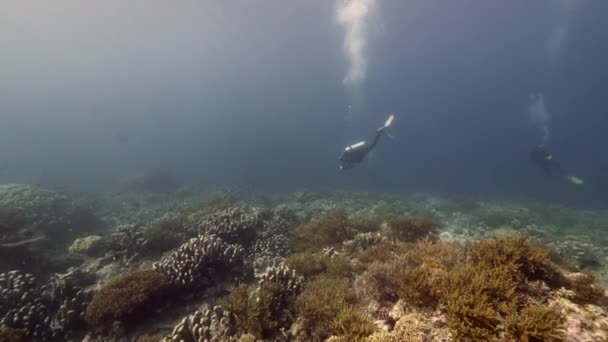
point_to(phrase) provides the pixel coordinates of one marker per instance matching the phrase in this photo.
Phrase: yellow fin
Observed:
(575, 180)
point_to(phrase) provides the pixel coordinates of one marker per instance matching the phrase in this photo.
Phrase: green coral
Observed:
(125, 298)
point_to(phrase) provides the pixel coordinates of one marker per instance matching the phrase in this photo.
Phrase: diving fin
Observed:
(389, 121)
(575, 180)
(387, 124)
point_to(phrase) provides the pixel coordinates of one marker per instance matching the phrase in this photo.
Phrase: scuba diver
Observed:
(355, 153)
(545, 160)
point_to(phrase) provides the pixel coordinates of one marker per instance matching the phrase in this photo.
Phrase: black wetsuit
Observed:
(544, 159)
(354, 155)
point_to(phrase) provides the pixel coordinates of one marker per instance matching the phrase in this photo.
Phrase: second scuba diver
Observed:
(545, 160)
(354, 154)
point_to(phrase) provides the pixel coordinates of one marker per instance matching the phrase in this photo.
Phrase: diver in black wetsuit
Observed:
(551, 167)
(544, 159)
(355, 153)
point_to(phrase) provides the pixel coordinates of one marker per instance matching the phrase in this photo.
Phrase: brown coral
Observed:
(327, 230)
(124, 298)
(477, 299)
(320, 303)
(351, 324)
(311, 265)
(523, 259)
(246, 309)
(535, 323)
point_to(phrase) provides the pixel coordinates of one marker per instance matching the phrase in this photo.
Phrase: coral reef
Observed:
(535, 323)
(281, 221)
(22, 307)
(200, 261)
(330, 229)
(320, 303)
(246, 309)
(127, 242)
(234, 224)
(412, 228)
(363, 241)
(212, 325)
(126, 297)
(92, 245)
(68, 300)
(166, 232)
(351, 324)
(377, 270)
(32, 210)
(268, 311)
(313, 264)
(277, 289)
(586, 322)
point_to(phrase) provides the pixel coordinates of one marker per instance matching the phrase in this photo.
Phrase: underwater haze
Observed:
(303, 170)
(266, 94)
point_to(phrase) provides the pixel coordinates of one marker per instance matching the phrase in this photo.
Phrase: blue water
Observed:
(251, 94)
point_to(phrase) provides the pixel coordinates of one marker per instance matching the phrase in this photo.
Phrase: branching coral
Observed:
(200, 260)
(127, 242)
(382, 251)
(205, 325)
(125, 298)
(68, 299)
(320, 303)
(535, 323)
(234, 224)
(409, 275)
(477, 299)
(524, 260)
(584, 288)
(276, 293)
(269, 309)
(21, 306)
(490, 290)
(352, 324)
